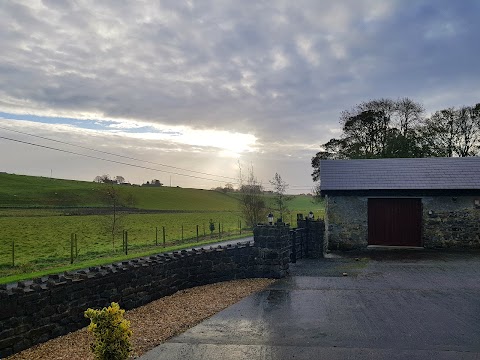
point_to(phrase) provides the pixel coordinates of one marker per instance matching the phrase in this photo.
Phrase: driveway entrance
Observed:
(417, 305)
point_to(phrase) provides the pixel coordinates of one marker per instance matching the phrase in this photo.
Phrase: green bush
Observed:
(111, 332)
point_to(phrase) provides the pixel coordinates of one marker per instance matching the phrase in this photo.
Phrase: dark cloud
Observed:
(281, 70)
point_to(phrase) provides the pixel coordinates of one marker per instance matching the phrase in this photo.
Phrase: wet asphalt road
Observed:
(413, 305)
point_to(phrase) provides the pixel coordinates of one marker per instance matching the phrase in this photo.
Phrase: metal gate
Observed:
(299, 244)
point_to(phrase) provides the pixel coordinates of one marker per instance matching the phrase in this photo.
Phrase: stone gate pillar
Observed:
(315, 230)
(273, 250)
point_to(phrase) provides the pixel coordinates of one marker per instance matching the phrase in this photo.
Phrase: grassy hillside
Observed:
(31, 191)
(35, 227)
(23, 191)
(305, 203)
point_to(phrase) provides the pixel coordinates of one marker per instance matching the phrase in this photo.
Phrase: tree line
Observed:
(120, 180)
(385, 128)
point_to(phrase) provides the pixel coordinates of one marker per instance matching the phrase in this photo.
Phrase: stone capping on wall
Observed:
(55, 280)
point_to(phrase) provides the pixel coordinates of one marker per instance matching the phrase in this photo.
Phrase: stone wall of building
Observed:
(451, 221)
(448, 221)
(346, 222)
(37, 310)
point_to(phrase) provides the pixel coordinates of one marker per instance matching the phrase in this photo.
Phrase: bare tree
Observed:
(106, 179)
(119, 179)
(385, 106)
(409, 114)
(439, 133)
(252, 202)
(281, 199)
(468, 138)
(116, 200)
(453, 132)
(366, 129)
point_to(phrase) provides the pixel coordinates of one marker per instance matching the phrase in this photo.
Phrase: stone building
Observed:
(428, 202)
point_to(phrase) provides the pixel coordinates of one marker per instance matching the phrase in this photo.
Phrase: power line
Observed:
(108, 160)
(118, 155)
(292, 187)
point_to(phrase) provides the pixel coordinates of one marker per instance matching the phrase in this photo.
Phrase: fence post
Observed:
(240, 227)
(163, 227)
(76, 247)
(13, 253)
(204, 233)
(182, 232)
(126, 242)
(219, 231)
(156, 235)
(71, 248)
(197, 233)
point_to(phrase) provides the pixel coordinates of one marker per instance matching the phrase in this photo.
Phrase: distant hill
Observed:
(22, 191)
(33, 191)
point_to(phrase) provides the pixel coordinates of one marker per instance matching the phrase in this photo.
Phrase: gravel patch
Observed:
(155, 322)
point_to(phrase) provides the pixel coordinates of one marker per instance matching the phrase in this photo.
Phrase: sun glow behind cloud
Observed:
(229, 144)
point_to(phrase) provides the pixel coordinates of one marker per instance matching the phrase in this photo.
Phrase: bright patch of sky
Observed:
(231, 144)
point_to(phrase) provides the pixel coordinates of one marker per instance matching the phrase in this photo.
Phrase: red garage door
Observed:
(395, 222)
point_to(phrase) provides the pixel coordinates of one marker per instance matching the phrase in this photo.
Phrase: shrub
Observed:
(111, 332)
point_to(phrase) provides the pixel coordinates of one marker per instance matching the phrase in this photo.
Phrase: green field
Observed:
(20, 191)
(303, 204)
(38, 216)
(43, 242)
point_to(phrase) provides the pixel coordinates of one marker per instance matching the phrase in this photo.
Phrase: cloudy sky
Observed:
(149, 89)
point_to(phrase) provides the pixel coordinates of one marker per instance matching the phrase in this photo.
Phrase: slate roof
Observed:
(405, 174)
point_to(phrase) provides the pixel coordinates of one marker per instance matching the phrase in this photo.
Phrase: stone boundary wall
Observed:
(37, 310)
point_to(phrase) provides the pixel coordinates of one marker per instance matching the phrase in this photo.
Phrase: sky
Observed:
(189, 91)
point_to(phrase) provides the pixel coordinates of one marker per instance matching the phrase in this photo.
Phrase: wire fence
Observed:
(77, 247)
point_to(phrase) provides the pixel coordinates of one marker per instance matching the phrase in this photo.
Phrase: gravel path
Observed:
(155, 322)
